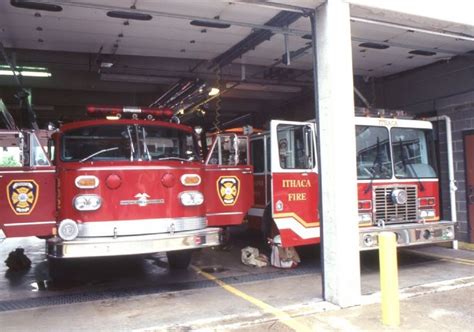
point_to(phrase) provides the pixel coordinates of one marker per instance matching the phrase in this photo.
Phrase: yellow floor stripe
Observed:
(282, 316)
(444, 258)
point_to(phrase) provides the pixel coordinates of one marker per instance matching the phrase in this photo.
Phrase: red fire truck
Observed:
(398, 186)
(131, 186)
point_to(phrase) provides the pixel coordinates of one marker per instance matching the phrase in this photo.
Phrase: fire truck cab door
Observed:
(27, 186)
(228, 192)
(295, 187)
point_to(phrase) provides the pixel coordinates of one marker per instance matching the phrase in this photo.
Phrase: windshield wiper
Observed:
(405, 163)
(377, 161)
(132, 147)
(97, 153)
(173, 158)
(145, 146)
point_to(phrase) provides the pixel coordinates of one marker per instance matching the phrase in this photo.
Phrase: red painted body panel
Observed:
(137, 178)
(220, 212)
(39, 220)
(259, 190)
(295, 206)
(291, 239)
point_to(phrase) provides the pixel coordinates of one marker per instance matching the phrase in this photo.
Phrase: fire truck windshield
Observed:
(413, 154)
(119, 142)
(373, 153)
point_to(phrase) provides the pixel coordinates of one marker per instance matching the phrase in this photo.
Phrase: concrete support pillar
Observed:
(338, 150)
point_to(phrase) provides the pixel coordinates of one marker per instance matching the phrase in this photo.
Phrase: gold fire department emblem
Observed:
(22, 196)
(228, 188)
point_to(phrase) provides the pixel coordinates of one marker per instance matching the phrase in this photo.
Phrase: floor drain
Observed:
(213, 269)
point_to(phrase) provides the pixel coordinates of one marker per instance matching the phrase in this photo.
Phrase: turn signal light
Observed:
(86, 182)
(365, 205)
(427, 201)
(190, 180)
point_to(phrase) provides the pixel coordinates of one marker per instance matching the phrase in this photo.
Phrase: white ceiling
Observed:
(83, 26)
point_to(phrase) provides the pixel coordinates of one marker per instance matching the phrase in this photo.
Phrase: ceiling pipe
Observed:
(406, 27)
(273, 5)
(282, 19)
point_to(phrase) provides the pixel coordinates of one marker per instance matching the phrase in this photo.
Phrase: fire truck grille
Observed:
(391, 213)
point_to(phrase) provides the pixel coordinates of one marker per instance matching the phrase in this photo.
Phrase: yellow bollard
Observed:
(389, 279)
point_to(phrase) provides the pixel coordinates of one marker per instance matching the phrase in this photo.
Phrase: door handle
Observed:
(246, 172)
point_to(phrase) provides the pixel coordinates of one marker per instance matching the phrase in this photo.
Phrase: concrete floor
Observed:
(141, 293)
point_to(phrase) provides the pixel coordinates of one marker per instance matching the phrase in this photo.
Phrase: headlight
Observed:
(399, 196)
(68, 230)
(191, 198)
(365, 218)
(87, 202)
(426, 214)
(370, 240)
(448, 233)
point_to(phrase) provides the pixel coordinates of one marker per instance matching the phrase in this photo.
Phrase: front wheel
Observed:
(179, 259)
(57, 269)
(269, 228)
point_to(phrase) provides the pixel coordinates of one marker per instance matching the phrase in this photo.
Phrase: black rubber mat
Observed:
(71, 298)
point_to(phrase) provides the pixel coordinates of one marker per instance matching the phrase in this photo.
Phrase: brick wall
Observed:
(462, 117)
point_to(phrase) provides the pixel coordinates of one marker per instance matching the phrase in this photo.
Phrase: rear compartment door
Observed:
(295, 187)
(27, 186)
(228, 180)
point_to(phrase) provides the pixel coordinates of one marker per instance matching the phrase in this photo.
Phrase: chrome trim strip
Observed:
(256, 212)
(409, 234)
(132, 245)
(224, 214)
(29, 223)
(140, 226)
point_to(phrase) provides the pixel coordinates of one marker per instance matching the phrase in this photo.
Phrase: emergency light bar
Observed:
(382, 113)
(130, 112)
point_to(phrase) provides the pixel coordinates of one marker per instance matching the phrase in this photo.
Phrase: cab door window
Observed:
(229, 150)
(295, 147)
(11, 149)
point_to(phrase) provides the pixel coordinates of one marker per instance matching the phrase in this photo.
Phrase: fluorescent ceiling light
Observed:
(25, 73)
(214, 92)
(106, 64)
(112, 117)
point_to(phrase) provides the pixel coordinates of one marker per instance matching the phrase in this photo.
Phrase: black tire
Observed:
(179, 259)
(57, 269)
(269, 229)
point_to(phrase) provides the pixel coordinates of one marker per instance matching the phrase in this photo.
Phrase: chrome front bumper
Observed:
(132, 245)
(408, 234)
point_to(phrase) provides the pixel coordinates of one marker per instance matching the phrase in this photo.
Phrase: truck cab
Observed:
(127, 186)
(398, 184)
